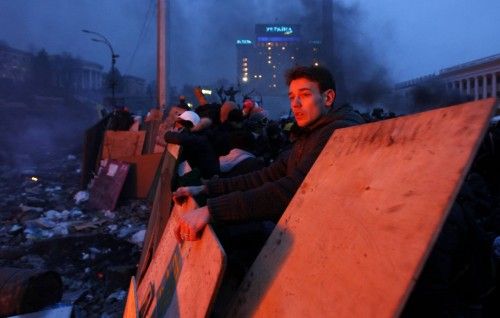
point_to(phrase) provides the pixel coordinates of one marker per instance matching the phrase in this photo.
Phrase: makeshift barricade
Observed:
(357, 233)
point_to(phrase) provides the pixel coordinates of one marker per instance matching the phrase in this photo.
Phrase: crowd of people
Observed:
(244, 168)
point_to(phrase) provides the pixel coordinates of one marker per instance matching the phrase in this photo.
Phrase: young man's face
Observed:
(307, 102)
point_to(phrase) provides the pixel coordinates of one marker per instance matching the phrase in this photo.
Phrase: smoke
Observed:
(203, 36)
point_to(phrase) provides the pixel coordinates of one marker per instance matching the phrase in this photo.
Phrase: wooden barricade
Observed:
(160, 211)
(131, 305)
(354, 238)
(141, 174)
(182, 279)
(151, 128)
(118, 144)
(107, 185)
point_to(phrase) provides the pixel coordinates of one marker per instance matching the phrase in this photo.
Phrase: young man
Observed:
(265, 194)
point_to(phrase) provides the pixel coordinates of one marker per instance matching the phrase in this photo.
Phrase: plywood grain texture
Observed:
(160, 211)
(357, 233)
(106, 187)
(143, 170)
(118, 144)
(131, 304)
(182, 279)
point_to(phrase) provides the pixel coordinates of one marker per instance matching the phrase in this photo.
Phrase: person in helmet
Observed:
(197, 152)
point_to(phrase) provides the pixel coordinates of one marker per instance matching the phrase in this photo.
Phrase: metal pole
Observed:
(161, 56)
(103, 39)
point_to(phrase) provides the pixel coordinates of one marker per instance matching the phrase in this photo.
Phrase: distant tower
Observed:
(327, 54)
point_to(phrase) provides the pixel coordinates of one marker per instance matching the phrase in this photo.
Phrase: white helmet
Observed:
(190, 116)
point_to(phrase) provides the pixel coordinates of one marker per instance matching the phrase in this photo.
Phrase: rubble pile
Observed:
(46, 223)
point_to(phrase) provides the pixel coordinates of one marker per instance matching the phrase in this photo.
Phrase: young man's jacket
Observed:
(265, 194)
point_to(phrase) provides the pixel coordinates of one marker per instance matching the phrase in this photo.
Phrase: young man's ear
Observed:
(329, 97)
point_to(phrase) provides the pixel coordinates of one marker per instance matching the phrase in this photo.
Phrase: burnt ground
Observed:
(43, 227)
(95, 252)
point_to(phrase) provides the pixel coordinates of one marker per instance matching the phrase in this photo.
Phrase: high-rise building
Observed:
(261, 62)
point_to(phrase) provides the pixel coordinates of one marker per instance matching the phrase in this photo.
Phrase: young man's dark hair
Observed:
(317, 74)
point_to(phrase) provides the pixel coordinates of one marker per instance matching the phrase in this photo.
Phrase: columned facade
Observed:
(477, 79)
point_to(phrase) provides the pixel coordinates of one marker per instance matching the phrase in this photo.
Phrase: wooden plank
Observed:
(118, 144)
(131, 304)
(151, 128)
(160, 211)
(91, 149)
(182, 279)
(142, 173)
(354, 238)
(106, 187)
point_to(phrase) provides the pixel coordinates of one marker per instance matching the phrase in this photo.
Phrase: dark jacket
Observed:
(265, 194)
(197, 150)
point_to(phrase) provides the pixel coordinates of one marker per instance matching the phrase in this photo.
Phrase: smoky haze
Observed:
(202, 36)
(201, 42)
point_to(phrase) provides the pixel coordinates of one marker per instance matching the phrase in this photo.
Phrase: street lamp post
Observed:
(103, 39)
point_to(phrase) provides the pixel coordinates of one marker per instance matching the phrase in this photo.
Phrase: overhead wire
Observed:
(145, 27)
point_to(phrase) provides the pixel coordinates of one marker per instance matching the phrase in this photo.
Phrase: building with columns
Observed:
(474, 80)
(15, 65)
(90, 76)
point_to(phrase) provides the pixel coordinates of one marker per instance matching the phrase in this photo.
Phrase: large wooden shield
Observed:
(107, 185)
(141, 175)
(118, 144)
(160, 211)
(182, 279)
(353, 240)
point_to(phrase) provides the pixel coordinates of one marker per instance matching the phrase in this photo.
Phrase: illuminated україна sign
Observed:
(277, 32)
(286, 30)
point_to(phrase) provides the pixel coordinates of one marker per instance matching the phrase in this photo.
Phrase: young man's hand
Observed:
(190, 225)
(181, 193)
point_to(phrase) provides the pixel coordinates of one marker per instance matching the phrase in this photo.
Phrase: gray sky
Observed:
(411, 38)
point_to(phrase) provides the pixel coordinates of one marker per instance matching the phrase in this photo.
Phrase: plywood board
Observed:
(151, 127)
(106, 187)
(142, 173)
(91, 149)
(131, 304)
(182, 279)
(118, 144)
(160, 211)
(354, 238)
